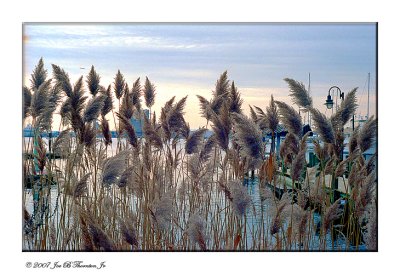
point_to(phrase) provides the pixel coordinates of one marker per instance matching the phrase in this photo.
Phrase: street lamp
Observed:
(329, 101)
(329, 105)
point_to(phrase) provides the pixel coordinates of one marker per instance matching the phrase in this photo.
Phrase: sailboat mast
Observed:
(368, 96)
(309, 83)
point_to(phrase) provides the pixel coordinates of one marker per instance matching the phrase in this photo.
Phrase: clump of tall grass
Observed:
(241, 200)
(180, 189)
(196, 230)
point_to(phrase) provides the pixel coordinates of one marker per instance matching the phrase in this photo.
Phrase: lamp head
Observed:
(329, 102)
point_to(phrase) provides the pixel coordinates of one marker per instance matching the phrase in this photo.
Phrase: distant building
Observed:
(29, 132)
(138, 123)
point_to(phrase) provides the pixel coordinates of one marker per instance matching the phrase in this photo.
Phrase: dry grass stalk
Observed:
(221, 127)
(341, 168)
(240, 197)
(113, 169)
(367, 134)
(128, 231)
(280, 214)
(87, 243)
(222, 85)
(41, 154)
(38, 75)
(149, 92)
(300, 96)
(346, 110)
(80, 189)
(235, 100)
(193, 141)
(62, 80)
(127, 107)
(291, 119)
(88, 135)
(366, 194)
(205, 152)
(226, 190)
(93, 81)
(27, 99)
(371, 234)
(39, 99)
(61, 143)
(119, 85)
(105, 129)
(108, 101)
(253, 115)
(332, 213)
(249, 138)
(196, 230)
(323, 126)
(289, 147)
(298, 165)
(162, 211)
(129, 129)
(100, 238)
(272, 115)
(151, 135)
(136, 93)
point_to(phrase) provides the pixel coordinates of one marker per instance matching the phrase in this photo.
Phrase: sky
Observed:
(187, 59)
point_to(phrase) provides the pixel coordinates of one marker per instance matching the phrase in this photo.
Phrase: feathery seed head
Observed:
(240, 198)
(196, 230)
(323, 126)
(367, 135)
(300, 96)
(93, 81)
(93, 108)
(119, 85)
(290, 118)
(149, 93)
(193, 141)
(38, 76)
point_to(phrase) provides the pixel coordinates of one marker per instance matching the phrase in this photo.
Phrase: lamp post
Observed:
(329, 105)
(329, 101)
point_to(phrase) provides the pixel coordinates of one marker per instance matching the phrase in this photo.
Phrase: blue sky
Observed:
(183, 59)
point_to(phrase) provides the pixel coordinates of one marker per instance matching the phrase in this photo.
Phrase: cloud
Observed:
(76, 37)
